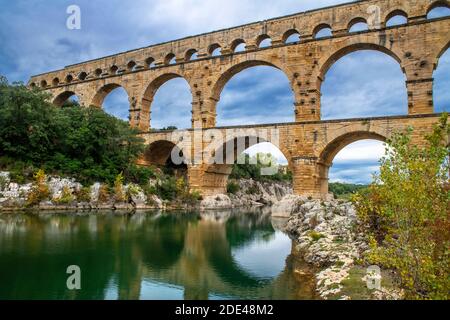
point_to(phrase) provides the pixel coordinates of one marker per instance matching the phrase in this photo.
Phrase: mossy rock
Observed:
(354, 287)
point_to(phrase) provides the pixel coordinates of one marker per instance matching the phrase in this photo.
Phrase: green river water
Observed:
(150, 255)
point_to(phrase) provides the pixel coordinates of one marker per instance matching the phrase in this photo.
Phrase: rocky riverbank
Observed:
(328, 238)
(67, 194)
(249, 193)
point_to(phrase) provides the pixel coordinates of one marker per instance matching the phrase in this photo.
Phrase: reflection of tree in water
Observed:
(36, 267)
(163, 241)
(243, 229)
(39, 248)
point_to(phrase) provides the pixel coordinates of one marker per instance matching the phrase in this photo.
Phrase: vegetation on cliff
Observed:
(38, 140)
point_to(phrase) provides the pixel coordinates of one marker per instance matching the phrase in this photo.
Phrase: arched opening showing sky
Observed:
(438, 12)
(116, 104)
(441, 90)
(364, 84)
(73, 99)
(172, 105)
(256, 95)
(357, 162)
(441, 87)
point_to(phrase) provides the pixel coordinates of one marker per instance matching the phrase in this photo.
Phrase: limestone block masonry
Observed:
(308, 143)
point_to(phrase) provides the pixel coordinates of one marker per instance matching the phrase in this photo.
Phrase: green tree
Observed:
(26, 130)
(84, 142)
(406, 211)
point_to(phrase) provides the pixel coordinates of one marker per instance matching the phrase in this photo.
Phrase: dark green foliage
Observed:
(167, 190)
(26, 132)
(232, 187)
(169, 128)
(85, 143)
(137, 174)
(165, 187)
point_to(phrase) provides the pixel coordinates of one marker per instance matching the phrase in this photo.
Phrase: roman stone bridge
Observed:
(208, 61)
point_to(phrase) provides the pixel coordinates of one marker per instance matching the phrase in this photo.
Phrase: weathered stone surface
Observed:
(95, 188)
(12, 194)
(156, 202)
(138, 198)
(56, 186)
(289, 205)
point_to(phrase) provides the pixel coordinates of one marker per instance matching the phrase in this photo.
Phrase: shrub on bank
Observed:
(84, 194)
(119, 194)
(405, 211)
(232, 187)
(66, 196)
(40, 190)
(103, 193)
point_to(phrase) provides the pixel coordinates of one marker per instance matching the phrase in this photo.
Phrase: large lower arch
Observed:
(226, 76)
(356, 163)
(159, 154)
(103, 93)
(330, 151)
(222, 157)
(150, 92)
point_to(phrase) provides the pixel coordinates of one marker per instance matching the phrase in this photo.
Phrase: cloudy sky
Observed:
(34, 39)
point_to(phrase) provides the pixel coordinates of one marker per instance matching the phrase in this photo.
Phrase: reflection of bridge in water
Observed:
(205, 270)
(119, 255)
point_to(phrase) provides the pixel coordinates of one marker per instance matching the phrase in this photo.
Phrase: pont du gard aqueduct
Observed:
(308, 143)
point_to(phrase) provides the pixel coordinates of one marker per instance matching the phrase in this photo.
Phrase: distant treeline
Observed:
(250, 168)
(340, 189)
